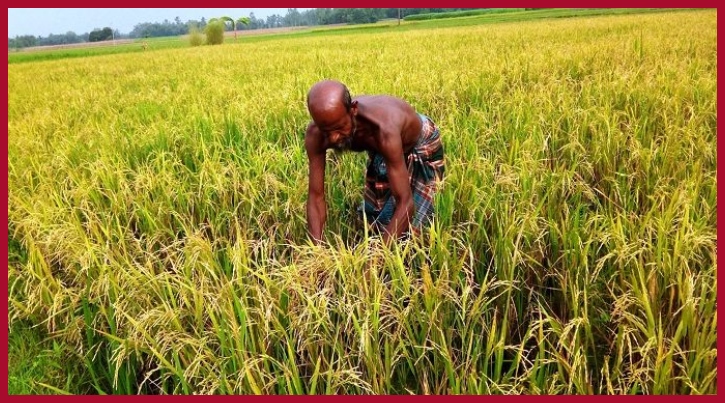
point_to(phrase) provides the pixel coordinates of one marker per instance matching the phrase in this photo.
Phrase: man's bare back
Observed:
(378, 115)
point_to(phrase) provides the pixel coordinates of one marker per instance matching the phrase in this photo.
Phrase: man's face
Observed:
(339, 130)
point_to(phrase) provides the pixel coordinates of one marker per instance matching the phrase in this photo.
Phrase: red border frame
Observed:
(369, 3)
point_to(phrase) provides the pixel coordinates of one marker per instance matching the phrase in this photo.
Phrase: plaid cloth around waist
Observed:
(426, 166)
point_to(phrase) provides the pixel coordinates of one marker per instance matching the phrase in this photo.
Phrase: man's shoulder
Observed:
(313, 138)
(386, 107)
(311, 126)
(376, 99)
(312, 131)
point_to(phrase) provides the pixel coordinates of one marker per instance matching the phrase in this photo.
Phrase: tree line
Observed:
(293, 18)
(25, 41)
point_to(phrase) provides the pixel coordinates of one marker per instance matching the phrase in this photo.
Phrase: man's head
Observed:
(333, 111)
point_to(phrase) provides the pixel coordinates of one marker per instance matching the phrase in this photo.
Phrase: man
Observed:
(405, 157)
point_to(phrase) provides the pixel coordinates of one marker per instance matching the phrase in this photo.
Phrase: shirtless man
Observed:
(405, 157)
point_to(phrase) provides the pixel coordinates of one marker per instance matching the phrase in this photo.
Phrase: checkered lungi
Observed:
(426, 167)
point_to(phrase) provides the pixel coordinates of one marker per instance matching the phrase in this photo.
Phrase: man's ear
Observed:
(353, 107)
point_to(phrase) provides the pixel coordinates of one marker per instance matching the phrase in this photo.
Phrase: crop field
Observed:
(157, 223)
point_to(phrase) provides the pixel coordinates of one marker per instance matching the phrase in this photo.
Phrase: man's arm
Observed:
(316, 206)
(391, 148)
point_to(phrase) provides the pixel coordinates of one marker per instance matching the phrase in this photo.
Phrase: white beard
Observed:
(343, 145)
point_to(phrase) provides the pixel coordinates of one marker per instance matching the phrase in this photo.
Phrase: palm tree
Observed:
(225, 19)
(241, 20)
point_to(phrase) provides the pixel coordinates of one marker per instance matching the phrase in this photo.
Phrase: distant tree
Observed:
(71, 37)
(98, 35)
(214, 31)
(293, 17)
(361, 15)
(308, 18)
(274, 21)
(323, 16)
(240, 21)
(52, 40)
(106, 34)
(24, 41)
(226, 19)
(195, 36)
(254, 22)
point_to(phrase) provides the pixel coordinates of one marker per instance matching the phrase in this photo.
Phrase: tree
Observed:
(274, 21)
(24, 41)
(361, 15)
(195, 37)
(106, 34)
(230, 20)
(224, 19)
(292, 19)
(98, 35)
(214, 31)
(254, 22)
(240, 21)
(71, 37)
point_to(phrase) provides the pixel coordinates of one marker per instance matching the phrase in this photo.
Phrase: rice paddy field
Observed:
(157, 230)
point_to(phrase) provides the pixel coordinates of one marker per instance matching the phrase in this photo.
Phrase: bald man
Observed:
(405, 157)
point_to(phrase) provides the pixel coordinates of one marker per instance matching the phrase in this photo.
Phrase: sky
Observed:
(45, 21)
